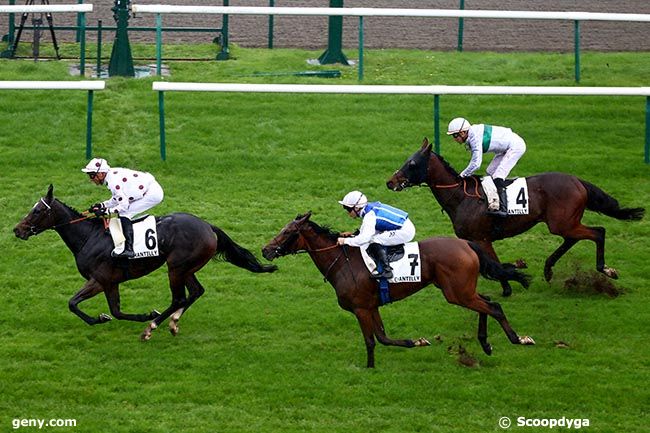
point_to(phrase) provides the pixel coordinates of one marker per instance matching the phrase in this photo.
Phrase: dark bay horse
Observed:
(451, 264)
(185, 242)
(557, 199)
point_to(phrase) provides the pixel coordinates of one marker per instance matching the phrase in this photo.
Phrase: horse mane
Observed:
(331, 234)
(75, 211)
(445, 164)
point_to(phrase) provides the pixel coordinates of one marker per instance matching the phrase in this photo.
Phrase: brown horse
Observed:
(185, 242)
(557, 199)
(453, 265)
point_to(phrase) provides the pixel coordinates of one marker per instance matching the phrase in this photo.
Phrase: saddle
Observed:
(394, 252)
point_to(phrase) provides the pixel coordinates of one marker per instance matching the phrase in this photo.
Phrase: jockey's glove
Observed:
(98, 209)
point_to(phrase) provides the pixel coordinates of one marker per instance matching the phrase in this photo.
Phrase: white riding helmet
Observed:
(354, 199)
(458, 124)
(96, 165)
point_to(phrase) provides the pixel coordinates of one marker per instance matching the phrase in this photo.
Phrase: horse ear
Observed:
(426, 146)
(304, 217)
(49, 192)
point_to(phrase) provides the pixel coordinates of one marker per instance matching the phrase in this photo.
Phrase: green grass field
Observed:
(275, 353)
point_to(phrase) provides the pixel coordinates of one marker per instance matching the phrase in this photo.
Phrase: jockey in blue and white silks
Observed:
(382, 225)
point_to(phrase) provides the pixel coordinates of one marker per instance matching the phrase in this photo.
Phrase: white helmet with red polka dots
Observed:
(97, 165)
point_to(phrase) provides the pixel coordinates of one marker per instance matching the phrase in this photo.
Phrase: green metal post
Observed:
(460, 28)
(159, 44)
(121, 62)
(89, 125)
(647, 130)
(576, 44)
(334, 51)
(9, 37)
(78, 33)
(99, 48)
(12, 25)
(271, 4)
(82, 43)
(161, 117)
(436, 123)
(224, 54)
(360, 48)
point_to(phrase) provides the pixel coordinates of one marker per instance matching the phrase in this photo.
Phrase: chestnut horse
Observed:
(453, 265)
(185, 242)
(557, 199)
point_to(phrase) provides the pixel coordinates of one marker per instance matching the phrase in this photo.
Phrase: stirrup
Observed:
(388, 274)
(127, 254)
(498, 212)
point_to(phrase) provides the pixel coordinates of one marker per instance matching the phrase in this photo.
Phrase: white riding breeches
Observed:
(502, 163)
(396, 237)
(152, 197)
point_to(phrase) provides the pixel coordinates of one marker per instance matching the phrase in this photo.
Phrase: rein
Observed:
(331, 247)
(454, 185)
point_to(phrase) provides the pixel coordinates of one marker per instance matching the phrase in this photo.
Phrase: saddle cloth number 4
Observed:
(517, 193)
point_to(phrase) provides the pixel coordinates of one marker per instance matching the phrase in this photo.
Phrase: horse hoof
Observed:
(420, 342)
(548, 274)
(487, 348)
(521, 264)
(526, 341)
(103, 318)
(506, 292)
(610, 272)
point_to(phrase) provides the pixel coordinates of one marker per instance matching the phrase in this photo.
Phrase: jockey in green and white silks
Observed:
(507, 146)
(382, 225)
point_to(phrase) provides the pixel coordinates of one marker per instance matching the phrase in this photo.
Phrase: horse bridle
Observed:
(281, 250)
(33, 231)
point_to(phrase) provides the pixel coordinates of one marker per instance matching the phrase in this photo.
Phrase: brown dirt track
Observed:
(422, 33)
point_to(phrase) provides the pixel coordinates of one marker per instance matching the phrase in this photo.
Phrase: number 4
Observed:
(521, 198)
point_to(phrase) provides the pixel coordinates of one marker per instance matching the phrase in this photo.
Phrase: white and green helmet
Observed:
(457, 125)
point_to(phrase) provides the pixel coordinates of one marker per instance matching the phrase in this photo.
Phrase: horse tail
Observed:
(228, 250)
(599, 201)
(493, 270)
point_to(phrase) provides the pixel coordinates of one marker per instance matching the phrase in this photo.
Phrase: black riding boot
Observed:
(127, 230)
(503, 198)
(378, 253)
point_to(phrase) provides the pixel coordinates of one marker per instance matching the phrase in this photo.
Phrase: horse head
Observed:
(39, 219)
(288, 241)
(414, 171)
(423, 167)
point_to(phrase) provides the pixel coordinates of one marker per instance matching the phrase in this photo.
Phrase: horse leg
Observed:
(90, 289)
(195, 290)
(600, 254)
(380, 333)
(487, 247)
(112, 294)
(177, 286)
(484, 307)
(553, 258)
(482, 329)
(364, 317)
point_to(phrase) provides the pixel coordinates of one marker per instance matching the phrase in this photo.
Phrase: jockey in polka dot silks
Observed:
(382, 225)
(507, 146)
(133, 192)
